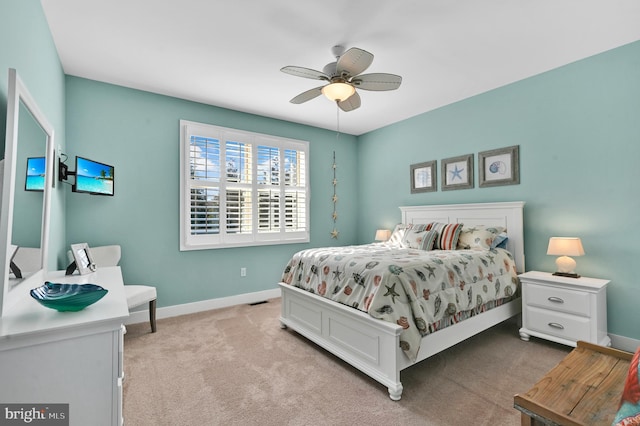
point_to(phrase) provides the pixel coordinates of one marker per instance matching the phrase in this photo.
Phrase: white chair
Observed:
(136, 294)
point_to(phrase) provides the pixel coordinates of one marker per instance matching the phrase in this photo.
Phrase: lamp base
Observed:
(566, 274)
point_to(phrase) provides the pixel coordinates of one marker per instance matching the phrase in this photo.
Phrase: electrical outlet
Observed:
(243, 272)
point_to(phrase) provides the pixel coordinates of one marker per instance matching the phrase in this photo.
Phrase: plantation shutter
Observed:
(241, 188)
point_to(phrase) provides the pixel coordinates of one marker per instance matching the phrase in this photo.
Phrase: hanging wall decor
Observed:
(499, 166)
(423, 177)
(334, 199)
(457, 172)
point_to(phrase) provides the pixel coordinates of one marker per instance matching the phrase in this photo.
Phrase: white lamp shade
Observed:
(383, 234)
(338, 92)
(565, 246)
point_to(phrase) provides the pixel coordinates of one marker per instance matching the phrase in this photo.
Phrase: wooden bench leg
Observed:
(525, 420)
(152, 315)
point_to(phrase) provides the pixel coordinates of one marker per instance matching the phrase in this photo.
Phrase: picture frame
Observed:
(499, 167)
(82, 258)
(457, 172)
(423, 177)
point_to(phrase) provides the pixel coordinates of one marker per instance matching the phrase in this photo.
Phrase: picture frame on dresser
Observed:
(82, 258)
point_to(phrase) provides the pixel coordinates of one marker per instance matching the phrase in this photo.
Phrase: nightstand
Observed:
(564, 310)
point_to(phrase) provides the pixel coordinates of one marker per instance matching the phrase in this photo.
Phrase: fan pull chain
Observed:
(337, 122)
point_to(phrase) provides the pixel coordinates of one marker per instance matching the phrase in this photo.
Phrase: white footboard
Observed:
(372, 346)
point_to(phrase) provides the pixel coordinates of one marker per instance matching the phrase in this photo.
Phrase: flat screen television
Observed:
(93, 177)
(34, 180)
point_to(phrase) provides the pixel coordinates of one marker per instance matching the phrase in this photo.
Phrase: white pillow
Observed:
(478, 237)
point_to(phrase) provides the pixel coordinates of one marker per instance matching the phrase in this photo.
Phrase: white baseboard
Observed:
(624, 343)
(204, 305)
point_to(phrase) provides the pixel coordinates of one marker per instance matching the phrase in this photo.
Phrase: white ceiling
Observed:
(229, 53)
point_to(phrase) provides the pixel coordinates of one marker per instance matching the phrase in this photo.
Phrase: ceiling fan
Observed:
(343, 77)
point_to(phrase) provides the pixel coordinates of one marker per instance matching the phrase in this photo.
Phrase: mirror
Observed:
(24, 218)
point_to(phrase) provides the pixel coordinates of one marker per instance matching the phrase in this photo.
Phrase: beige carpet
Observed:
(236, 366)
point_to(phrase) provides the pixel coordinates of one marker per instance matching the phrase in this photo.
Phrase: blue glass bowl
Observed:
(67, 297)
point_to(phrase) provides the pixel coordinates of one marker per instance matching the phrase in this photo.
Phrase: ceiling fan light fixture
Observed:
(344, 79)
(338, 92)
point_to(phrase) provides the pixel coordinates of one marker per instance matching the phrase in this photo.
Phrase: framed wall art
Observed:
(423, 177)
(457, 172)
(499, 166)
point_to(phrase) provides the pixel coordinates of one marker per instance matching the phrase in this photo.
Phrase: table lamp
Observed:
(565, 247)
(383, 234)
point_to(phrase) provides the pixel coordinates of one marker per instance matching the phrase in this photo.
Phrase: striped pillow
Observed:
(448, 234)
(414, 237)
(429, 240)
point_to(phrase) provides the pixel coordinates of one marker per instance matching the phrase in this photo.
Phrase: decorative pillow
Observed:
(400, 235)
(448, 234)
(429, 240)
(418, 238)
(629, 411)
(413, 235)
(500, 241)
(478, 237)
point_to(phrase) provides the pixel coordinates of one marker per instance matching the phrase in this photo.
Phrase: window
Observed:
(240, 188)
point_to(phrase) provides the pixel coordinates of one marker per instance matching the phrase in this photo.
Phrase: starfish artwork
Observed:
(456, 173)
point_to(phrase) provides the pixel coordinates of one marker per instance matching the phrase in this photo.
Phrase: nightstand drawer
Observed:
(566, 326)
(558, 299)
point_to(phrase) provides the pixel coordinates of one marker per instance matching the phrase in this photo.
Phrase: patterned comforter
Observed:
(422, 291)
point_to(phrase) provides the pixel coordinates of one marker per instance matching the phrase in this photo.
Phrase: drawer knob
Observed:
(555, 299)
(556, 325)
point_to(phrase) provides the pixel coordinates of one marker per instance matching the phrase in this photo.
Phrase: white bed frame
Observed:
(373, 346)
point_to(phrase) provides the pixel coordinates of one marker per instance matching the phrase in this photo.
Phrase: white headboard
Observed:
(507, 214)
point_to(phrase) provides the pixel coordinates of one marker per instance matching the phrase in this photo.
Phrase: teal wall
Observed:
(26, 45)
(578, 128)
(138, 133)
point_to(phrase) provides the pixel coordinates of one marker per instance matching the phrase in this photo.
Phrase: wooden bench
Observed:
(583, 389)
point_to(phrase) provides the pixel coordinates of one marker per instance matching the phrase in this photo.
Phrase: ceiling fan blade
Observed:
(305, 72)
(353, 62)
(351, 103)
(307, 96)
(377, 81)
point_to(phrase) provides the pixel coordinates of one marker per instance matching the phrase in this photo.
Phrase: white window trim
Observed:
(223, 240)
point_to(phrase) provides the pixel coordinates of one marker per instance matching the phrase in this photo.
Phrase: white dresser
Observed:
(564, 310)
(73, 358)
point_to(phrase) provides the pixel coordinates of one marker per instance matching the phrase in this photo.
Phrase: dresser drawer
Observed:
(558, 299)
(558, 324)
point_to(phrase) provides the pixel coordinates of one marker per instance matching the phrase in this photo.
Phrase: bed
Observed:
(376, 336)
